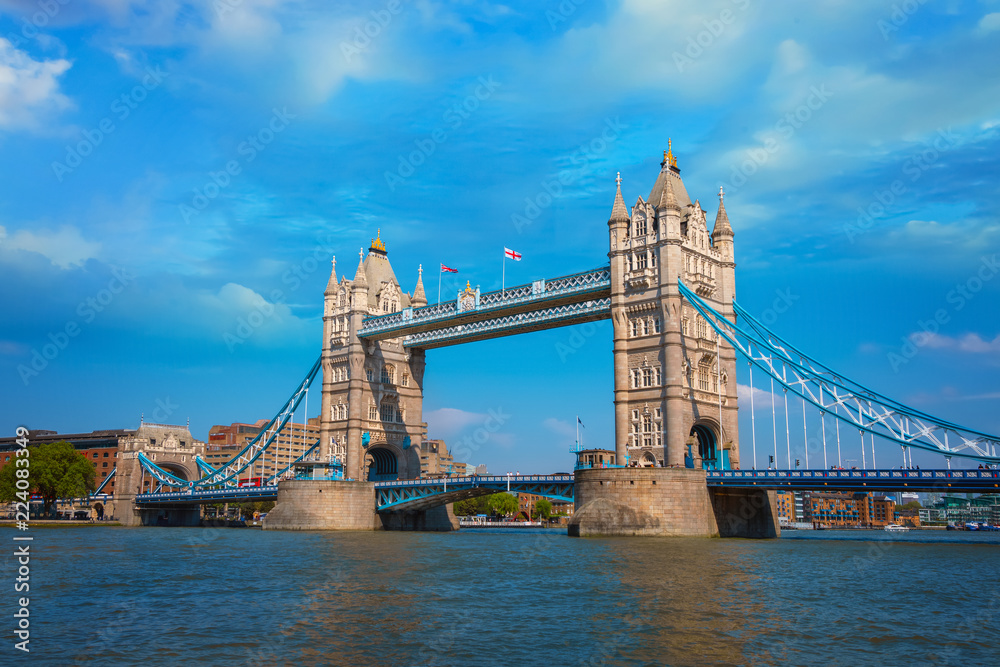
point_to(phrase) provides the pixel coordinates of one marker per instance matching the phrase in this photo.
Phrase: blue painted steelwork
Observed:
(159, 474)
(204, 496)
(203, 465)
(107, 479)
(838, 396)
(420, 494)
(539, 295)
(228, 474)
(506, 325)
(273, 479)
(965, 481)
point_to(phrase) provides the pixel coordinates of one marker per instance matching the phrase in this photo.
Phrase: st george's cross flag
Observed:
(447, 269)
(512, 254)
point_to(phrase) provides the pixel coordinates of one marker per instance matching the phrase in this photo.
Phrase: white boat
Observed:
(896, 528)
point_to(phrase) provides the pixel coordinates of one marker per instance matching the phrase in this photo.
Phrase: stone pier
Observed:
(340, 505)
(667, 502)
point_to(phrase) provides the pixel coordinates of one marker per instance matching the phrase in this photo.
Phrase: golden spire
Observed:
(668, 155)
(377, 244)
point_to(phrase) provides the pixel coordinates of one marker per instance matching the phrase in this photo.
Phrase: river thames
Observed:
(162, 596)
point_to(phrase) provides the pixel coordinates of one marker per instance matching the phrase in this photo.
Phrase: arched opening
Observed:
(707, 448)
(647, 460)
(382, 466)
(99, 510)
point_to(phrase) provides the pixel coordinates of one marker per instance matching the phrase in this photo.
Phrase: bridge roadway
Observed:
(962, 481)
(420, 494)
(398, 495)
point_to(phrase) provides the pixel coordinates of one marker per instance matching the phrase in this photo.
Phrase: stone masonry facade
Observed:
(675, 379)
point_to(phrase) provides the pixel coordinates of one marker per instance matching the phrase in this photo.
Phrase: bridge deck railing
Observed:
(473, 479)
(921, 475)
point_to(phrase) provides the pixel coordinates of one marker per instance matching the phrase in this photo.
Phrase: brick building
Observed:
(848, 510)
(226, 441)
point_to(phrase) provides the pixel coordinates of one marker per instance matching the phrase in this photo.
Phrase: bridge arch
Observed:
(707, 445)
(178, 469)
(382, 464)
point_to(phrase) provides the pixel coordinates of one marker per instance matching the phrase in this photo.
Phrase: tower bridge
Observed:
(674, 465)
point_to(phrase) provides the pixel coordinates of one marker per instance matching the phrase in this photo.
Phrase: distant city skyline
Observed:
(178, 179)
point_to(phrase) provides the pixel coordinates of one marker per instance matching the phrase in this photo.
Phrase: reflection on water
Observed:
(229, 596)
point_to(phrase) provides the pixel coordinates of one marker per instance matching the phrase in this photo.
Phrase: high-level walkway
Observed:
(543, 304)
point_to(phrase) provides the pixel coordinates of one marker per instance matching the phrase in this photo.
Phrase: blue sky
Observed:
(858, 144)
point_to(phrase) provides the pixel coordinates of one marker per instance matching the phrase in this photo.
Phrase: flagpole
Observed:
(578, 433)
(503, 274)
(440, 271)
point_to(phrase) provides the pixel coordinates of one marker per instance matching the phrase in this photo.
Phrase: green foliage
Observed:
(55, 470)
(472, 506)
(543, 508)
(912, 505)
(503, 504)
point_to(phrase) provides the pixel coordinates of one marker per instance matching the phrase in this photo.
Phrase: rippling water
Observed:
(159, 596)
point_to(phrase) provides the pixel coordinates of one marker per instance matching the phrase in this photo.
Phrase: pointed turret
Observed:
(331, 285)
(359, 275)
(722, 226)
(619, 213)
(419, 299)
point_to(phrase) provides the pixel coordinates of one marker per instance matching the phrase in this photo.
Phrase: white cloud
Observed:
(29, 89)
(761, 398)
(989, 23)
(64, 247)
(970, 343)
(448, 422)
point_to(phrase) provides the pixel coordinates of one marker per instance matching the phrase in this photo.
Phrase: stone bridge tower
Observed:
(171, 447)
(372, 391)
(675, 380)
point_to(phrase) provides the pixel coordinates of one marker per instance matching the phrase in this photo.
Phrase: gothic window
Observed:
(343, 298)
(388, 412)
(641, 258)
(647, 377)
(635, 328)
(707, 380)
(645, 327)
(628, 262)
(656, 325)
(647, 431)
(406, 379)
(658, 413)
(652, 259)
(635, 414)
(372, 412)
(388, 374)
(636, 378)
(656, 377)
(370, 373)
(702, 328)
(640, 226)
